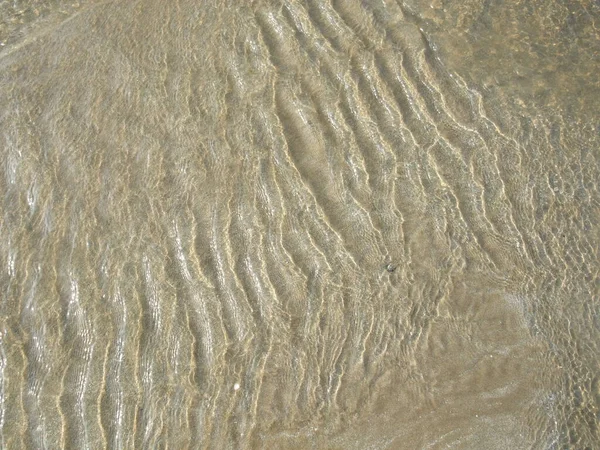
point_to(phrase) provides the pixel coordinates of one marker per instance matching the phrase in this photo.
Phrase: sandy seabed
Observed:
(301, 224)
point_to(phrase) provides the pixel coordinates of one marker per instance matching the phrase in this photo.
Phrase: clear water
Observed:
(318, 224)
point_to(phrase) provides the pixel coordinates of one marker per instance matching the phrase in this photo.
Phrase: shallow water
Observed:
(320, 224)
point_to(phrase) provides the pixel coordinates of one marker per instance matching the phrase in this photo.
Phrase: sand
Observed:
(301, 224)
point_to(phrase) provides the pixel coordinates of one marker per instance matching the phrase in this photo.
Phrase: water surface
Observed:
(318, 224)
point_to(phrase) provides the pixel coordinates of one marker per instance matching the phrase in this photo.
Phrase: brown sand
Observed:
(302, 224)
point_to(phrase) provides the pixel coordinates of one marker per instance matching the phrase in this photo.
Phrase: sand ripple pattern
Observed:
(253, 224)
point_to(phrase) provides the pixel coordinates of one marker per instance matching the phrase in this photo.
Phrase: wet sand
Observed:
(319, 224)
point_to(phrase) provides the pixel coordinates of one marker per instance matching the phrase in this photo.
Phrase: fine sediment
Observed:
(201, 205)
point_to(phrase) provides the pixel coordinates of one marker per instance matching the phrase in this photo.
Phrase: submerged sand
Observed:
(293, 225)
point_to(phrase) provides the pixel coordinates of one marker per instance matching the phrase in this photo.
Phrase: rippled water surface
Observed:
(319, 224)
